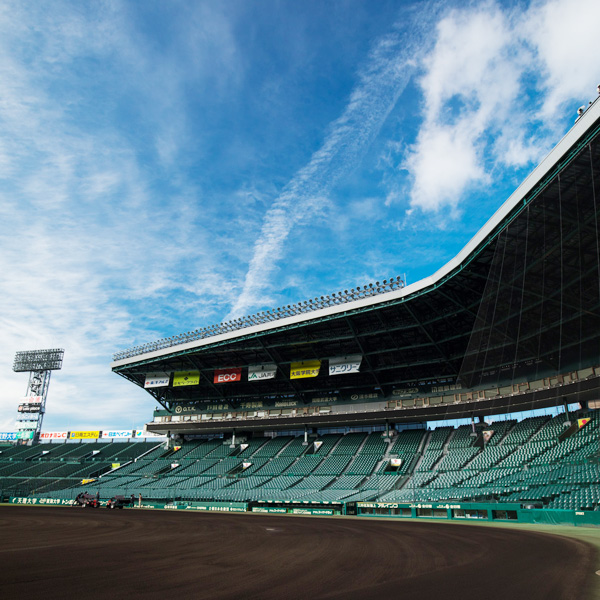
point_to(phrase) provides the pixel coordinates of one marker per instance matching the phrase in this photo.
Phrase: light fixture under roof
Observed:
(301, 307)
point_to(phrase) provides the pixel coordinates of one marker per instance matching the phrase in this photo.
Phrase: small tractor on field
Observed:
(120, 502)
(86, 500)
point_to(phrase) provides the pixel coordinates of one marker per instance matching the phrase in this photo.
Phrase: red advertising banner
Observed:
(228, 375)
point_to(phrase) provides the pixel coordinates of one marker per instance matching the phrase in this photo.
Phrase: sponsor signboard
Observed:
(396, 462)
(48, 501)
(159, 379)
(345, 364)
(55, 435)
(140, 433)
(262, 372)
(227, 375)
(312, 511)
(181, 378)
(9, 436)
(583, 422)
(487, 435)
(24, 435)
(125, 433)
(31, 400)
(84, 435)
(29, 408)
(305, 368)
(115, 465)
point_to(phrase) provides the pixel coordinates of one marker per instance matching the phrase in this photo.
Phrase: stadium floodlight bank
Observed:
(511, 323)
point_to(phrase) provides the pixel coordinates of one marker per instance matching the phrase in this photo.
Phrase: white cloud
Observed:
(380, 83)
(478, 116)
(564, 34)
(89, 250)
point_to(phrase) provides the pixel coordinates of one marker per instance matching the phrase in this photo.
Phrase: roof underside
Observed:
(526, 303)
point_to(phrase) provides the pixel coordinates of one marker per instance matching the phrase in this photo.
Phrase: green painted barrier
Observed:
(40, 501)
(313, 511)
(511, 512)
(201, 506)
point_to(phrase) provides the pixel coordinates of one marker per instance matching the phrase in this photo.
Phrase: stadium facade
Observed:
(512, 323)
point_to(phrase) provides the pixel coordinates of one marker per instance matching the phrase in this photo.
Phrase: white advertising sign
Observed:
(157, 380)
(140, 433)
(126, 433)
(345, 364)
(261, 372)
(31, 400)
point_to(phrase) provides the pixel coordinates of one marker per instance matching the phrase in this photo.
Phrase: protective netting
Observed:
(540, 310)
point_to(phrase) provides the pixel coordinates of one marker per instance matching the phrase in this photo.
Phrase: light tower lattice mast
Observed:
(40, 364)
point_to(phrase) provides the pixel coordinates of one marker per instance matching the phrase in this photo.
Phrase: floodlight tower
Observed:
(40, 364)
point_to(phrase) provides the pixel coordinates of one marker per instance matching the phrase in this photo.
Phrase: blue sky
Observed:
(170, 165)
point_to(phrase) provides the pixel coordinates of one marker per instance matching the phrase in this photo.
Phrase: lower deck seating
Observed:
(526, 463)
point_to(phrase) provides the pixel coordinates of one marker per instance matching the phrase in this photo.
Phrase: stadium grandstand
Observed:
(353, 399)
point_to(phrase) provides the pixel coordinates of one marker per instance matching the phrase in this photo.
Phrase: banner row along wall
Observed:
(81, 435)
(302, 369)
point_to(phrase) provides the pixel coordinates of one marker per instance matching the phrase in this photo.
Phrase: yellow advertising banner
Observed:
(304, 368)
(84, 435)
(116, 465)
(84, 481)
(582, 422)
(181, 378)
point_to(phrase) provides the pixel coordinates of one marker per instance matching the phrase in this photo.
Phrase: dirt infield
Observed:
(96, 553)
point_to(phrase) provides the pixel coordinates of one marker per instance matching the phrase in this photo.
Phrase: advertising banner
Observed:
(181, 378)
(227, 375)
(304, 368)
(395, 462)
(24, 435)
(159, 379)
(583, 422)
(261, 372)
(140, 433)
(31, 400)
(84, 435)
(56, 435)
(125, 433)
(487, 435)
(29, 408)
(9, 436)
(345, 364)
(49, 501)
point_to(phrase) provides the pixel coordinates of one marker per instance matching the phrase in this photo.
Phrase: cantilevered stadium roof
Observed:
(520, 301)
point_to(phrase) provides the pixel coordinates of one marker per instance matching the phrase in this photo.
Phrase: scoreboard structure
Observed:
(511, 323)
(32, 407)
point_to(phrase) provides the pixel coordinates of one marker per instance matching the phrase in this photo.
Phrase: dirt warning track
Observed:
(96, 553)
